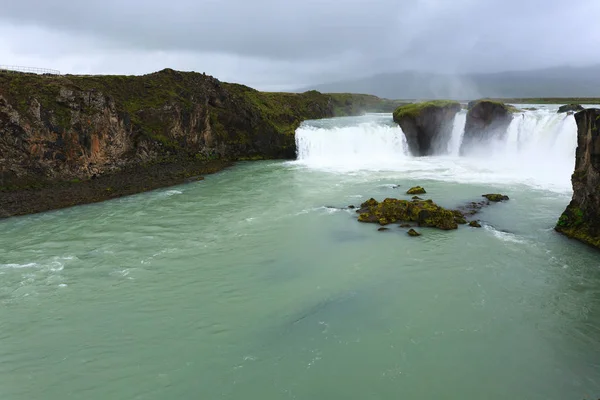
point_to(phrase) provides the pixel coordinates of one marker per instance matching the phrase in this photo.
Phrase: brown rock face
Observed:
(76, 127)
(427, 126)
(486, 121)
(581, 219)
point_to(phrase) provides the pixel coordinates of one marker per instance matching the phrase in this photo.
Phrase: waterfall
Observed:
(538, 149)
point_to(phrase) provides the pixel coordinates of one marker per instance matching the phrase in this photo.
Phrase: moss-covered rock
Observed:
(459, 217)
(413, 233)
(427, 126)
(495, 197)
(416, 190)
(487, 121)
(474, 224)
(570, 108)
(581, 219)
(424, 213)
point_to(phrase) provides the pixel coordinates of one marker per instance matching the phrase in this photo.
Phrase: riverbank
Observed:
(52, 195)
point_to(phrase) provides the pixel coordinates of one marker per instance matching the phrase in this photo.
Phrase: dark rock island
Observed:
(486, 121)
(427, 126)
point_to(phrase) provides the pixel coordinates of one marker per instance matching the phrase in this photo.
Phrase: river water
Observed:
(256, 284)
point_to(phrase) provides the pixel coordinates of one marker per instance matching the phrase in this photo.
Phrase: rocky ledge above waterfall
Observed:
(427, 126)
(581, 219)
(487, 120)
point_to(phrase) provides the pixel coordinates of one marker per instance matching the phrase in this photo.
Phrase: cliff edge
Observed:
(581, 219)
(74, 132)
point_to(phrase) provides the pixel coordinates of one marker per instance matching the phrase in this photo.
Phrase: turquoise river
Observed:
(256, 283)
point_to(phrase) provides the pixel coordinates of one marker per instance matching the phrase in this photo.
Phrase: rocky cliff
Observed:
(581, 219)
(427, 126)
(57, 129)
(486, 121)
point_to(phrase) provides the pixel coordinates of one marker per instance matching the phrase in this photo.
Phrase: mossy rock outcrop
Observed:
(424, 213)
(495, 197)
(487, 120)
(416, 190)
(581, 219)
(570, 108)
(427, 126)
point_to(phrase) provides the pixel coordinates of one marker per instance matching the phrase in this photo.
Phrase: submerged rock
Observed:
(427, 126)
(486, 121)
(416, 198)
(382, 229)
(459, 217)
(475, 224)
(424, 213)
(351, 207)
(495, 197)
(570, 108)
(413, 233)
(416, 190)
(405, 226)
(581, 219)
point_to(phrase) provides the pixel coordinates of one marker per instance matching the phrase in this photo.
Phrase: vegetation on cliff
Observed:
(413, 110)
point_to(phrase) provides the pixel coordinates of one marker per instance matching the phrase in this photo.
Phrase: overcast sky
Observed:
(282, 44)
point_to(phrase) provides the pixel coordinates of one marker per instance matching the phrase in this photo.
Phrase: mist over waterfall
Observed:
(537, 150)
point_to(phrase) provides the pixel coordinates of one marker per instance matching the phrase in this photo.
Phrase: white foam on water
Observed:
(504, 236)
(538, 150)
(17, 266)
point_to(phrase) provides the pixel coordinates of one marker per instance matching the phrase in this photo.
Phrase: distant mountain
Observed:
(550, 82)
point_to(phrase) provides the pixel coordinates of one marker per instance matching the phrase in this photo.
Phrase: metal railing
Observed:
(31, 70)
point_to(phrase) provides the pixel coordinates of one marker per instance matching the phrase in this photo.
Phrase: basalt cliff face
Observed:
(75, 127)
(427, 126)
(57, 129)
(486, 121)
(581, 219)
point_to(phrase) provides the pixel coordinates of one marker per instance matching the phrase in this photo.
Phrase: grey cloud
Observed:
(283, 43)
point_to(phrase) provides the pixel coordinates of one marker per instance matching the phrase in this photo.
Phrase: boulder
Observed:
(475, 224)
(495, 197)
(486, 121)
(413, 233)
(427, 126)
(570, 108)
(416, 190)
(424, 213)
(581, 219)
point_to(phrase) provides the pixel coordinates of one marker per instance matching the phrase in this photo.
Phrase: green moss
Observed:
(416, 190)
(495, 197)
(425, 213)
(413, 110)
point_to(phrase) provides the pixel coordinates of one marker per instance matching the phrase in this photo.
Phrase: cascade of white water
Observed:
(367, 145)
(538, 149)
